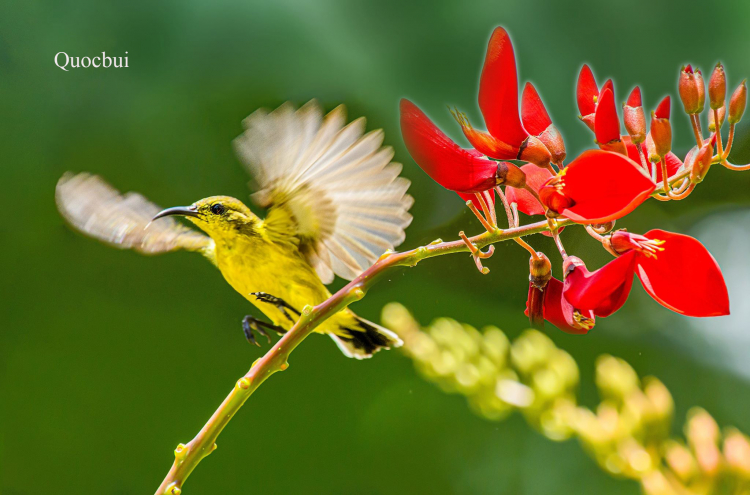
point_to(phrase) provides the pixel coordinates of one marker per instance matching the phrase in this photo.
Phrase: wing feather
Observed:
(97, 209)
(337, 184)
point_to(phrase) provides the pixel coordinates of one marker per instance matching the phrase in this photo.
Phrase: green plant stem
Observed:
(188, 456)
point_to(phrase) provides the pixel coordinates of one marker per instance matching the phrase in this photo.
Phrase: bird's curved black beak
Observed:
(185, 211)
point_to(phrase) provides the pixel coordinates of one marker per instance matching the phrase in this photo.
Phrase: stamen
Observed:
(583, 321)
(481, 218)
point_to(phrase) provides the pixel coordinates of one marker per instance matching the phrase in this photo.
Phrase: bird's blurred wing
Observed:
(97, 209)
(328, 184)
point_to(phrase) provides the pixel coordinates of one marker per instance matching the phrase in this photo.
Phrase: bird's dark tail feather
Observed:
(365, 340)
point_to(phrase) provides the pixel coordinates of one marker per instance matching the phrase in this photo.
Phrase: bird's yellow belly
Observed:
(280, 272)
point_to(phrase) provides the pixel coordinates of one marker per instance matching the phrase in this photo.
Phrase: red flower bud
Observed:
(606, 123)
(661, 129)
(711, 121)
(699, 160)
(717, 87)
(586, 95)
(737, 103)
(690, 93)
(635, 117)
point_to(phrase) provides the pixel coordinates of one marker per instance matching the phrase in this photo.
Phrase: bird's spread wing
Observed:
(123, 220)
(331, 188)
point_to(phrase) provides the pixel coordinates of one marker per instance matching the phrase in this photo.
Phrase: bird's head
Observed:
(217, 216)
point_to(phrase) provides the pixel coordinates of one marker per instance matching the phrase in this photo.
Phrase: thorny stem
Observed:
(187, 457)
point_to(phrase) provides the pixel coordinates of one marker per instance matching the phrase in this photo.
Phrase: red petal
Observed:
(604, 186)
(634, 100)
(586, 90)
(684, 277)
(498, 90)
(662, 111)
(607, 85)
(446, 162)
(606, 123)
(535, 178)
(558, 311)
(535, 117)
(602, 291)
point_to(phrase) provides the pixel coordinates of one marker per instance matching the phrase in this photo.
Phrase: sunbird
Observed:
(335, 203)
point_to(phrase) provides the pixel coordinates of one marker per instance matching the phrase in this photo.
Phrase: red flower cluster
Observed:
(595, 189)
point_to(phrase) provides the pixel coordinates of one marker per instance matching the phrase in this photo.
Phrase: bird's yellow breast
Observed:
(256, 264)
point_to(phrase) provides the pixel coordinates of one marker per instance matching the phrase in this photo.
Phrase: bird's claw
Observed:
(280, 304)
(250, 323)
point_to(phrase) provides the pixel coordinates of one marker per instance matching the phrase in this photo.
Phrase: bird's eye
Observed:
(217, 208)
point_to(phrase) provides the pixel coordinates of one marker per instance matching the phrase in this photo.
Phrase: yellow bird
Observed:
(335, 203)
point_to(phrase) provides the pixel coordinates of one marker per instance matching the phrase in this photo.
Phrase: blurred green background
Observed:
(108, 359)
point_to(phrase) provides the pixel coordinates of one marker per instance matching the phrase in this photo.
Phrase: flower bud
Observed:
(635, 117)
(711, 124)
(700, 161)
(661, 129)
(737, 103)
(690, 93)
(534, 151)
(540, 272)
(622, 241)
(510, 174)
(603, 228)
(717, 87)
(737, 452)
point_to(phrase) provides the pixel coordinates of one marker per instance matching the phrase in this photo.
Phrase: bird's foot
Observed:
(281, 304)
(250, 323)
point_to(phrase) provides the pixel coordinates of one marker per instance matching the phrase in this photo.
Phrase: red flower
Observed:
(498, 101)
(607, 124)
(446, 162)
(588, 95)
(675, 269)
(634, 116)
(536, 177)
(597, 187)
(559, 311)
(536, 120)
